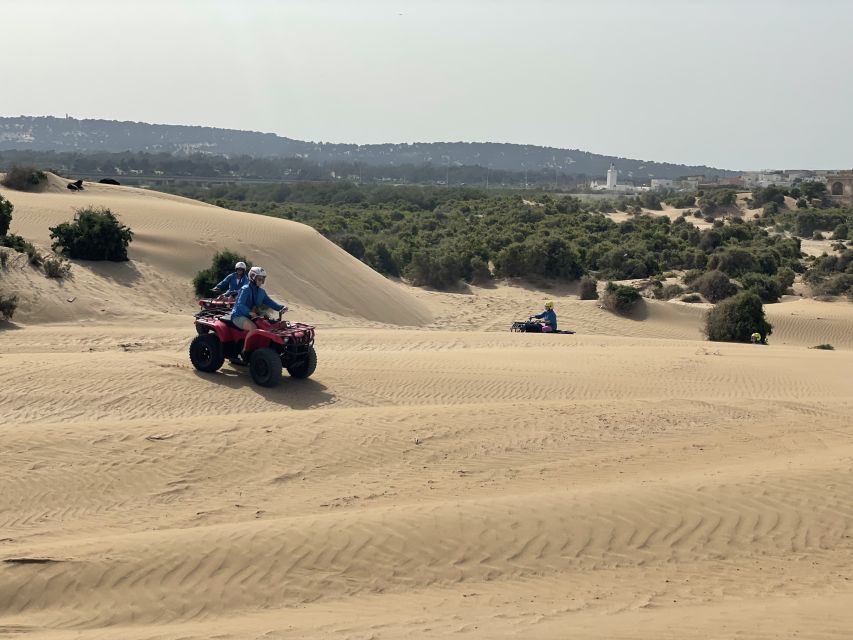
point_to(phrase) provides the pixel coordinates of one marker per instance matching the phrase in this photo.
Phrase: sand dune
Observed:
(176, 237)
(446, 479)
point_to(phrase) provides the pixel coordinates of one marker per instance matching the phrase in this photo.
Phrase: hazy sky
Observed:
(736, 84)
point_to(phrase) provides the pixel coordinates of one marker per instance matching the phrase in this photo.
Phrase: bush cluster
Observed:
(24, 179)
(767, 288)
(713, 285)
(17, 243)
(620, 298)
(56, 268)
(455, 233)
(668, 292)
(711, 202)
(95, 234)
(768, 195)
(6, 209)
(588, 288)
(8, 304)
(736, 319)
(832, 275)
(681, 201)
(222, 264)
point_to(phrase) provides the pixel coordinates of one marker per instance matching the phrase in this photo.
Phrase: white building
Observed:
(612, 177)
(612, 183)
(766, 178)
(659, 184)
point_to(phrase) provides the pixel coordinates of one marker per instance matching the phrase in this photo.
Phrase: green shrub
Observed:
(379, 257)
(736, 318)
(480, 272)
(813, 189)
(222, 264)
(710, 202)
(714, 285)
(765, 287)
(825, 346)
(733, 261)
(441, 270)
(682, 201)
(25, 179)
(817, 235)
(808, 221)
(588, 288)
(649, 200)
(8, 304)
(546, 257)
(840, 232)
(6, 209)
(691, 297)
(352, 245)
(20, 245)
(771, 195)
(668, 292)
(785, 276)
(620, 298)
(836, 285)
(95, 234)
(55, 268)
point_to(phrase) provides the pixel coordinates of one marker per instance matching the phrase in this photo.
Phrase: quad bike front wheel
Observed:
(206, 353)
(265, 367)
(305, 367)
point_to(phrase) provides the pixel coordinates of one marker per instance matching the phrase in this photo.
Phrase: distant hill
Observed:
(69, 134)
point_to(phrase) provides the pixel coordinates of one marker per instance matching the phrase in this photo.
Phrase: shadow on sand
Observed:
(8, 325)
(123, 273)
(296, 394)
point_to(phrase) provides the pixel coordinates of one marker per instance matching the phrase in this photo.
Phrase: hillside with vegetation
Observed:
(70, 134)
(442, 237)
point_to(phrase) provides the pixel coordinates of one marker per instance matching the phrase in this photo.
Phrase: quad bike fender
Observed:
(226, 333)
(262, 339)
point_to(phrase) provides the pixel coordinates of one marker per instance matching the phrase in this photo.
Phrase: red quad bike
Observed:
(221, 305)
(275, 345)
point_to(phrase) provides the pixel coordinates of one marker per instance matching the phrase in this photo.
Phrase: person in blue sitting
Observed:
(233, 282)
(249, 301)
(548, 317)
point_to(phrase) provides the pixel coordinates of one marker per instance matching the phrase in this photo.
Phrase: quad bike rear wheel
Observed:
(206, 353)
(306, 367)
(265, 367)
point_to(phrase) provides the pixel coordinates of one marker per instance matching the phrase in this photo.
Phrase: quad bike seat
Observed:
(226, 320)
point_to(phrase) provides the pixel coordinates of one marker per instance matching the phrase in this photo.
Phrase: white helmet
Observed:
(240, 265)
(254, 272)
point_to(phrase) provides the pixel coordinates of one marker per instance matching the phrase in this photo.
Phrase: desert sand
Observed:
(437, 477)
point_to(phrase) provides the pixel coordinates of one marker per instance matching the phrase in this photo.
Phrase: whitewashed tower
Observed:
(612, 176)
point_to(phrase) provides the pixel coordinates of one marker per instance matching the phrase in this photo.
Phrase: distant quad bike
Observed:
(276, 345)
(532, 325)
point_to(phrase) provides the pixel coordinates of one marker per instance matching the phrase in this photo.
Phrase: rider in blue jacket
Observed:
(233, 282)
(548, 316)
(250, 299)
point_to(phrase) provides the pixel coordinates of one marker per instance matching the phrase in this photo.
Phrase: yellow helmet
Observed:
(549, 305)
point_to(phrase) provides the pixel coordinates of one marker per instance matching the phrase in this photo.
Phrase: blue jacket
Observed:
(250, 296)
(234, 283)
(549, 316)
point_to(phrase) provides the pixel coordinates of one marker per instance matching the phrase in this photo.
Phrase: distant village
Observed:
(839, 183)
